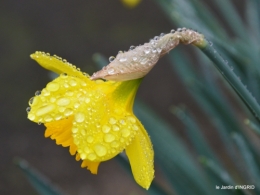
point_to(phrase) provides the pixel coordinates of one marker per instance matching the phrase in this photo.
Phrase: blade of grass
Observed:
(229, 12)
(221, 176)
(40, 183)
(232, 79)
(253, 126)
(251, 166)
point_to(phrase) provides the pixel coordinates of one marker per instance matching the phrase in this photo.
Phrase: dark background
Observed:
(74, 30)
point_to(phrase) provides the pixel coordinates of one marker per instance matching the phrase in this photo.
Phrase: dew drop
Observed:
(68, 112)
(111, 58)
(109, 138)
(79, 117)
(114, 144)
(112, 121)
(53, 86)
(172, 31)
(90, 139)
(58, 117)
(122, 59)
(156, 38)
(72, 83)
(74, 129)
(83, 132)
(87, 100)
(48, 118)
(159, 50)
(31, 101)
(147, 51)
(135, 127)
(64, 75)
(45, 109)
(28, 109)
(105, 128)
(83, 156)
(63, 102)
(110, 70)
(135, 58)
(87, 149)
(115, 128)
(125, 132)
(100, 150)
(31, 116)
(92, 156)
(162, 34)
(37, 93)
(132, 47)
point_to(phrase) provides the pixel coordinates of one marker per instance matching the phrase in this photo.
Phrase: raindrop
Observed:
(110, 71)
(123, 59)
(28, 109)
(135, 58)
(162, 34)
(111, 58)
(156, 38)
(37, 93)
(172, 31)
(31, 101)
(132, 47)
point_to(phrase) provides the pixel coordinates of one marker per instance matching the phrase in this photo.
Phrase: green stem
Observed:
(232, 78)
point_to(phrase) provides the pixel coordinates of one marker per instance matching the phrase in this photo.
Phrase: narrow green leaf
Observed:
(229, 12)
(251, 166)
(40, 183)
(220, 176)
(232, 79)
(253, 126)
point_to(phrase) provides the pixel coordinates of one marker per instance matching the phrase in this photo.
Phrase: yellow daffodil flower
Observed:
(93, 118)
(131, 3)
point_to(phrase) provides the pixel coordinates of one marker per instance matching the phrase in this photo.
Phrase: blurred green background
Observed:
(76, 30)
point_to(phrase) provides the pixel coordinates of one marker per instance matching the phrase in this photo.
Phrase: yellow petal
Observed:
(61, 132)
(57, 65)
(141, 157)
(92, 166)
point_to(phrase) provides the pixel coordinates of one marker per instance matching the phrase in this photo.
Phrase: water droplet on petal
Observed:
(105, 128)
(112, 121)
(172, 31)
(28, 109)
(115, 128)
(53, 86)
(37, 93)
(111, 58)
(68, 111)
(31, 101)
(135, 58)
(109, 138)
(87, 100)
(110, 70)
(132, 47)
(100, 150)
(90, 139)
(114, 144)
(63, 102)
(31, 116)
(125, 132)
(92, 156)
(45, 109)
(79, 117)
(74, 129)
(73, 83)
(122, 59)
